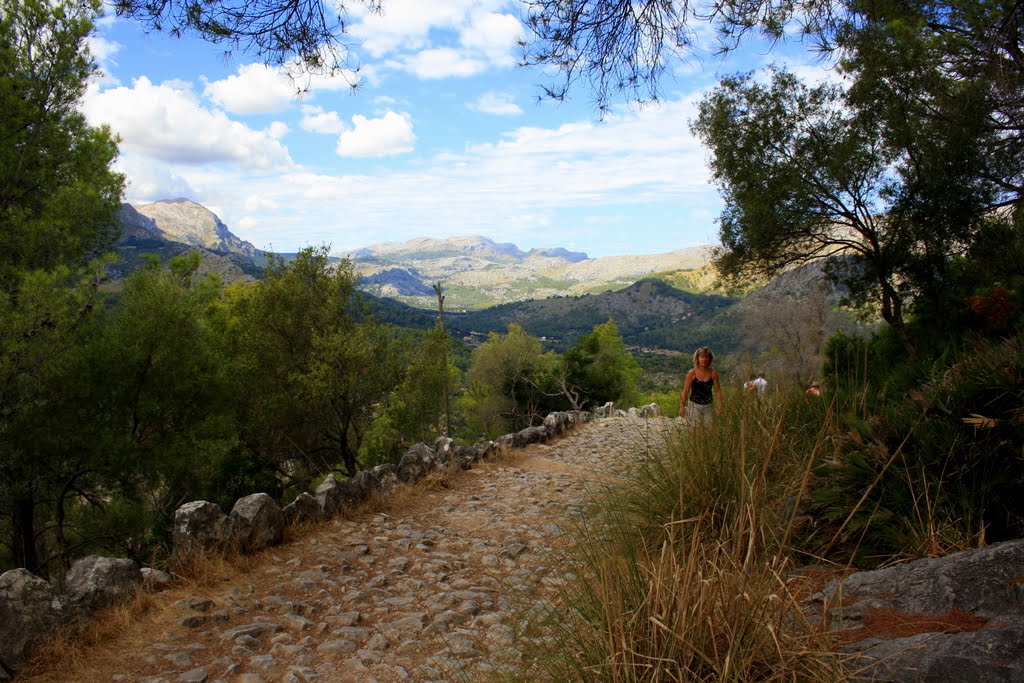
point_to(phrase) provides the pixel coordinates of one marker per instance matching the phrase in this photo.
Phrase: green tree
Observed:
(601, 367)
(509, 382)
(58, 197)
(40, 327)
(416, 409)
(314, 372)
(807, 174)
(58, 194)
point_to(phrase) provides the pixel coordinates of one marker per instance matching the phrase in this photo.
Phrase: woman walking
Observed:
(697, 404)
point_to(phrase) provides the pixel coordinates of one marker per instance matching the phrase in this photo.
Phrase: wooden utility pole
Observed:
(444, 360)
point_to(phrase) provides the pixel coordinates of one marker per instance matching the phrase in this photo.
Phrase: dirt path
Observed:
(439, 584)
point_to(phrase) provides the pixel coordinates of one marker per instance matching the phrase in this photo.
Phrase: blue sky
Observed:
(444, 137)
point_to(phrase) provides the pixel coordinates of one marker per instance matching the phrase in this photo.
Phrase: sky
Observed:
(445, 136)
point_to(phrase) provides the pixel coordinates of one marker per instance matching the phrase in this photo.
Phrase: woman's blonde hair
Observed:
(703, 351)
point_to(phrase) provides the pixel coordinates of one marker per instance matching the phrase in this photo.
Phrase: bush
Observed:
(934, 470)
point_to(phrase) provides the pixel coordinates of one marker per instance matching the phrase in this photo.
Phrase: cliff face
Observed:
(182, 220)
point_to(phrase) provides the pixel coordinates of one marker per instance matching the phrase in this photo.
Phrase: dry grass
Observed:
(686, 573)
(60, 658)
(892, 623)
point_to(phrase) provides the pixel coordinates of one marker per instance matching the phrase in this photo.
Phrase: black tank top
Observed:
(700, 392)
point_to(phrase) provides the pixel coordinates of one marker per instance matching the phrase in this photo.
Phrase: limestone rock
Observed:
(334, 494)
(29, 612)
(95, 582)
(417, 463)
(257, 521)
(968, 607)
(304, 508)
(200, 525)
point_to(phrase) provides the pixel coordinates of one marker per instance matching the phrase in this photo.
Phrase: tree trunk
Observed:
(24, 527)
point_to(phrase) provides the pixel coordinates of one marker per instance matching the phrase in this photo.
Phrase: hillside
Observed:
(141, 235)
(661, 303)
(478, 273)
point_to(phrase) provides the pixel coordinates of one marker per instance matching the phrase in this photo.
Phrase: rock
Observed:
(965, 611)
(384, 478)
(154, 579)
(650, 410)
(557, 423)
(257, 522)
(528, 436)
(29, 613)
(200, 525)
(304, 508)
(95, 582)
(443, 449)
(334, 494)
(417, 463)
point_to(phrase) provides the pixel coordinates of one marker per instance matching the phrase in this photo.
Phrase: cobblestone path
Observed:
(436, 585)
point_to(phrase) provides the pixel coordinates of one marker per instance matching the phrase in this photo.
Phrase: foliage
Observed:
(806, 175)
(48, 318)
(312, 371)
(509, 383)
(931, 463)
(415, 409)
(305, 36)
(58, 194)
(600, 368)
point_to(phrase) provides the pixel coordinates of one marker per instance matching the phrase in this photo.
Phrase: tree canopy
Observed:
(58, 194)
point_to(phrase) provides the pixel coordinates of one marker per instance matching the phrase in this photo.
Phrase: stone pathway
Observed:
(439, 585)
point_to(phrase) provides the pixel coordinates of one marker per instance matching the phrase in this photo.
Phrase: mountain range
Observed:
(662, 303)
(475, 272)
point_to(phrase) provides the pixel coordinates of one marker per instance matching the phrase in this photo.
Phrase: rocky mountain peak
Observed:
(183, 220)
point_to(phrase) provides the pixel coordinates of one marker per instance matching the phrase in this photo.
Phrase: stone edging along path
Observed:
(438, 585)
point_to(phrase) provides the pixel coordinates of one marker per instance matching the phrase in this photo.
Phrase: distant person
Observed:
(813, 390)
(760, 384)
(697, 405)
(751, 383)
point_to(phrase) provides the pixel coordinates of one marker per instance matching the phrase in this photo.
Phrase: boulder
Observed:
(961, 617)
(96, 582)
(335, 494)
(200, 525)
(650, 410)
(443, 447)
(155, 579)
(530, 435)
(304, 508)
(257, 522)
(384, 478)
(29, 613)
(417, 463)
(556, 424)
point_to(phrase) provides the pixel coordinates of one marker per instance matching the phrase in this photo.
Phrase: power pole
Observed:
(444, 360)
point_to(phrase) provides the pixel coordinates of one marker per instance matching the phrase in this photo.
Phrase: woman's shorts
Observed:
(700, 415)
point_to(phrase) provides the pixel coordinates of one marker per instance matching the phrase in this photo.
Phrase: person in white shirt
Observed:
(760, 384)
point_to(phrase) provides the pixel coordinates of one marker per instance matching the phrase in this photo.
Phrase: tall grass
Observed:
(687, 574)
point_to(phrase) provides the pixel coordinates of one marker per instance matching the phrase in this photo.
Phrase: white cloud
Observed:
(101, 49)
(168, 123)
(499, 104)
(443, 62)
(150, 181)
(384, 136)
(316, 120)
(642, 171)
(254, 89)
(494, 35)
(415, 33)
